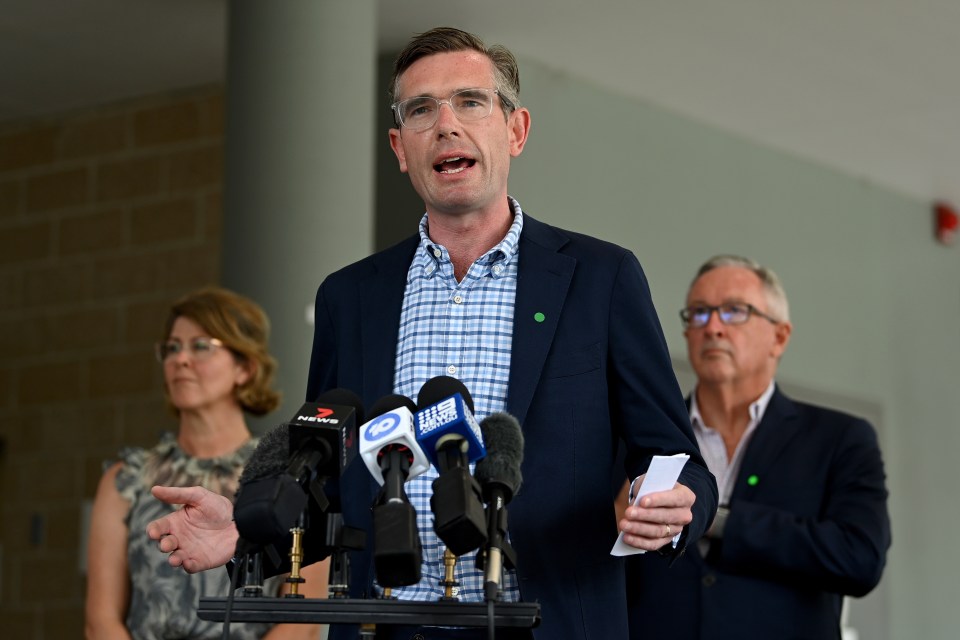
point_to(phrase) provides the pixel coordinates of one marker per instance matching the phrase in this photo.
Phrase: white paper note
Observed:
(661, 476)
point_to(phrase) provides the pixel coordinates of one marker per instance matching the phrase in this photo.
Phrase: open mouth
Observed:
(454, 165)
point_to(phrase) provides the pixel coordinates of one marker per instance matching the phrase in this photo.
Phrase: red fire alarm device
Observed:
(946, 223)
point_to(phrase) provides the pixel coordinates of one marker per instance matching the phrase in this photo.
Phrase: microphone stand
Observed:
(296, 557)
(448, 583)
(252, 575)
(340, 608)
(342, 540)
(498, 555)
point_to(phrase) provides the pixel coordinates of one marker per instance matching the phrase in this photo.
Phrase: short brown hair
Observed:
(243, 327)
(449, 39)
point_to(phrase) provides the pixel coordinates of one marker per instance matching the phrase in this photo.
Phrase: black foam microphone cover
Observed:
(389, 403)
(268, 500)
(440, 388)
(268, 508)
(270, 457)
(344, 398)
(499, 478)
(504, 441)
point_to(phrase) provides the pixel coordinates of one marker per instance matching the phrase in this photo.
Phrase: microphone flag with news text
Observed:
(295, 461)
(451, 438)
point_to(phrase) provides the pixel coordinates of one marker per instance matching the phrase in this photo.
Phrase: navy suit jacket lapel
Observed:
(544, 277)
(381, 298)
(776, 430)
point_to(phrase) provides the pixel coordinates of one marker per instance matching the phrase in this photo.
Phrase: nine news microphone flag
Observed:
(451, 438)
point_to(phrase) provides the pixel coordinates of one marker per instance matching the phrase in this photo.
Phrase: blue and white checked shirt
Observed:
(464, 330)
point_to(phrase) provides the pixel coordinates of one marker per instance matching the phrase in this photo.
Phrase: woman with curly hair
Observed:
(216, 368)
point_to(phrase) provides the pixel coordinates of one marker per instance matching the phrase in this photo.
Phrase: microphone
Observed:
(292, 459)
(499, 477)
(270, 456)
(451, 438)
(389, 447)
(390, 435)
(445, 416)
(268, 500)
(323, 441)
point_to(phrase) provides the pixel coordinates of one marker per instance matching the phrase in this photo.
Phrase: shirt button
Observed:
(429, 269)
(498, 269)
(437, 253)
(451, 369)
(709, 580)
(455, 591)
(458, 298)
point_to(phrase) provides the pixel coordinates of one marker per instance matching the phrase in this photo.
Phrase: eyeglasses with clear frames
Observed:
(730, 313)
(200, 348)
(421, 112)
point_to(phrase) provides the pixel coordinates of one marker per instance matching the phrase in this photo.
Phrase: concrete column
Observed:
(299, 166)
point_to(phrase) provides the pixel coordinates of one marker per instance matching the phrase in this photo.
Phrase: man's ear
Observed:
(396, 143)
(781, 332)
(518, 128)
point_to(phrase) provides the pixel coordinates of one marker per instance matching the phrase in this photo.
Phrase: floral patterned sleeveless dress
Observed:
(164, 599)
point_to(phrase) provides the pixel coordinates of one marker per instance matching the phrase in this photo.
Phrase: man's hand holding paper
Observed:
(659, 510)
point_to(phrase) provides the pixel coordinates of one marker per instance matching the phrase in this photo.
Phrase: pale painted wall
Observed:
(875, 301)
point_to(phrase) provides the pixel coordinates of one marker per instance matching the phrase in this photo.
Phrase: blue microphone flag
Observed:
(449, 419)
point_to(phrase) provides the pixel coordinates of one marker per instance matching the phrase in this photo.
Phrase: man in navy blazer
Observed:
(588, 364)
(803, 518)
(595, 369)
(571, 315)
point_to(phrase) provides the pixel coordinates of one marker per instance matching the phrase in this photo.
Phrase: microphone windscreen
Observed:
(440, 388)
(504, 441)
(270, 457)
(389, 403)
(345, 398)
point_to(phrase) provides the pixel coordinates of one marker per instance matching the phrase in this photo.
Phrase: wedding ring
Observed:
(669, 531)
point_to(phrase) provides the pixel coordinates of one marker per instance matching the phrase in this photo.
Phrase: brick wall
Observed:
(106, 215)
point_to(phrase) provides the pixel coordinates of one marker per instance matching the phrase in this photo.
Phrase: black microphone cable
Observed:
(234, 584)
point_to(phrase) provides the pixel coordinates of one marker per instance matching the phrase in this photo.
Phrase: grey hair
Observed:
(776, 296)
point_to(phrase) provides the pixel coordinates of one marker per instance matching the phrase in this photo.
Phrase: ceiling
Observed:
(867, 87)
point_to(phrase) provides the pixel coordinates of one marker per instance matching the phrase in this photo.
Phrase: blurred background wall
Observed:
(107, 215)
(108, 212)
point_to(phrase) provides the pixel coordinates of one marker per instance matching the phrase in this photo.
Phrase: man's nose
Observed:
(447, 120)
(714, 324)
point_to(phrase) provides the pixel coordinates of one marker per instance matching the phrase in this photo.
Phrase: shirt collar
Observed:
(431, 255)
(757, 408)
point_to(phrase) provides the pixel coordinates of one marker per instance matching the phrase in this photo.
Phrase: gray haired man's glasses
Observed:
(421, 112)
(729, 313)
